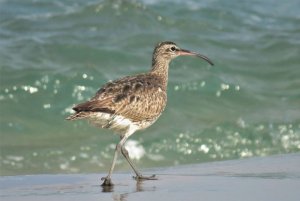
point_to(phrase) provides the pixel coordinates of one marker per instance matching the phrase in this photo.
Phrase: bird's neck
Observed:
(160, 68)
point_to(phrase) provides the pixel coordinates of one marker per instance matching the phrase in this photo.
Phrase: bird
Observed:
(132, 103)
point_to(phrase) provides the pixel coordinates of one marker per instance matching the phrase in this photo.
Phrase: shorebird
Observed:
(132, 103)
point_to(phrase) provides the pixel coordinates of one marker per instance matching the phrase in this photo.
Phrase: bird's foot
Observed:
(107, 181)
(141, 177)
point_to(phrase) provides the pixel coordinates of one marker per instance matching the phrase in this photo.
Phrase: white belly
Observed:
(118, 123)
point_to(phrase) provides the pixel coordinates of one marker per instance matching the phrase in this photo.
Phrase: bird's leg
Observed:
(107, 179)
(138, 176)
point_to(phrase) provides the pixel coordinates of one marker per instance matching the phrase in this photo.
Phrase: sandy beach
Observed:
(263, 178)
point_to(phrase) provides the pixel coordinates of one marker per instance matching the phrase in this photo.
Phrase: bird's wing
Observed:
(138, 98)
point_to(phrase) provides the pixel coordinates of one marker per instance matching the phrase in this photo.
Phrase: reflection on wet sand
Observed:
(123, 196)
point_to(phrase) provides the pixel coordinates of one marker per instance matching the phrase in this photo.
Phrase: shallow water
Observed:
(54, 54)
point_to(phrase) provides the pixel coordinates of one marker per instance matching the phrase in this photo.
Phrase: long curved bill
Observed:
(187, 52)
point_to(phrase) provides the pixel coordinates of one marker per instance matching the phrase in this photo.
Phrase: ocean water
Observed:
(54, 54)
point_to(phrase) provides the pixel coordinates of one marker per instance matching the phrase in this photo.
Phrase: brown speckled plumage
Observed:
(137, 98)
(132, 103)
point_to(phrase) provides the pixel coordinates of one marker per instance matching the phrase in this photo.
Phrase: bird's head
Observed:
(169, 50)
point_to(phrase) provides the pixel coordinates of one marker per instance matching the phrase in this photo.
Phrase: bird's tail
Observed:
(78, 115)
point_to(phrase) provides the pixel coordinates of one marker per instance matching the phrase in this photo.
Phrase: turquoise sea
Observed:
(54, 54)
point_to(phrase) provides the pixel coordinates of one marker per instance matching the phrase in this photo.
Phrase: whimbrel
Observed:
(132, 103)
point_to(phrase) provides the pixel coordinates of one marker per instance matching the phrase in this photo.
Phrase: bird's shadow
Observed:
(120, 194)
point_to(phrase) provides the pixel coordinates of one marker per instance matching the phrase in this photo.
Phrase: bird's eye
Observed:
(173, 49)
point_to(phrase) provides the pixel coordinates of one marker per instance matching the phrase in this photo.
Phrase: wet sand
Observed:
(264, 178)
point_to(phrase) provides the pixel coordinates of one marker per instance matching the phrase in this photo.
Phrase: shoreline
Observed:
(259, 178)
